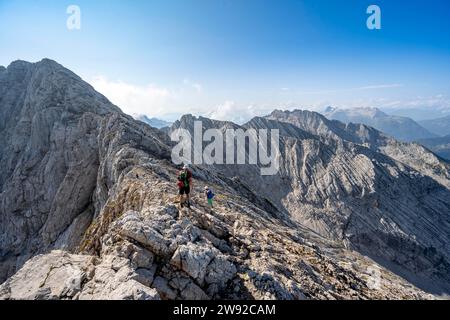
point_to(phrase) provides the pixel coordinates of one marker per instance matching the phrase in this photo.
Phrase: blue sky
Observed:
(235, 58)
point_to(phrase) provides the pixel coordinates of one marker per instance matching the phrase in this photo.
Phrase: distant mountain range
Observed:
(153, 122)
(401, 128)
(440, 146)
(439, 126)
(419, 113)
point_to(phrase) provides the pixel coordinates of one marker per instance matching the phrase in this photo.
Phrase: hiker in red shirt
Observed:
(184, 185)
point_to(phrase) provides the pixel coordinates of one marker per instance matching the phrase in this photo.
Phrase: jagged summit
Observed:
(45, 65)
(47, 84)
(88, 206)
(285, 129)
(187, 122)
(17, 64)
(43, 62)
(315, 123)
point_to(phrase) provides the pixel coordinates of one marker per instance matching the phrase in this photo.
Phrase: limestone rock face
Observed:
(49, 120)
(53, 126)
(57, 275)
(203, 262)
(88, 207)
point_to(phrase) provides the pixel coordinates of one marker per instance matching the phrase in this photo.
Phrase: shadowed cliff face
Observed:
(49, 126)
(88, 203)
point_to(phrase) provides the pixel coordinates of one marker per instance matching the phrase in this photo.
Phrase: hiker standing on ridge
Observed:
(184, 185)
(209, 197)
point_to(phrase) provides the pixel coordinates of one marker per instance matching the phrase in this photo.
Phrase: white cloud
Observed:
(133, 99)
(195, 85)
(231, 111)
(156, 101)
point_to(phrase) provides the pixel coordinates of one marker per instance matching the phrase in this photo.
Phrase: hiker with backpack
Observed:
(184, 185)
(209, 196)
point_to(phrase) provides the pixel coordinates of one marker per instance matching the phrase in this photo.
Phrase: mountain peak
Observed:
(19, 66)
(43, 61)
(50, 64)
(188, 117)
(372, 111)
(45, 65)
(329, 109)
(46, 85)
(297, 115)
(294, 112)
(48, 61)
(19, 63)
(153, 122)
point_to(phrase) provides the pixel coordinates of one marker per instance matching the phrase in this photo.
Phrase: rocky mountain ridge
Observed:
(88, 209)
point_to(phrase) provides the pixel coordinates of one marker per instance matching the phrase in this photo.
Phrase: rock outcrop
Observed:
(59, 275)
(88, 207)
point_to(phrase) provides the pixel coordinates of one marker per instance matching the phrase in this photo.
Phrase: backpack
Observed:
(184, 178)
(210, 194)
